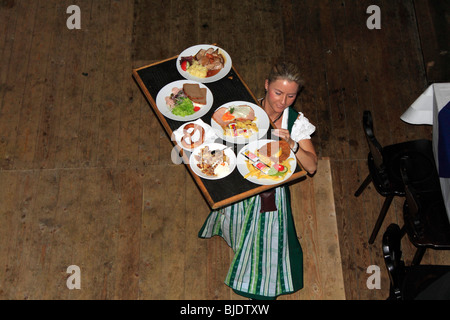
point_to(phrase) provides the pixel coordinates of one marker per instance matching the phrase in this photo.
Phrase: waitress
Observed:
(268, 260)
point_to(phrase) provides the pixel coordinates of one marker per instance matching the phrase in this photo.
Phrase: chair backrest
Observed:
(374, 146)
(392, 254)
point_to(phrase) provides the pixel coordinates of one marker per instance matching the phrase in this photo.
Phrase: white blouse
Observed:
(302, 128)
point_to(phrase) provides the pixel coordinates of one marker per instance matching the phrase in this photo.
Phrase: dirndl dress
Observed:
(268, 258)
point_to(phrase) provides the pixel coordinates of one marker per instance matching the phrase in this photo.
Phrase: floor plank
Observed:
(16, 79)
(433, 27)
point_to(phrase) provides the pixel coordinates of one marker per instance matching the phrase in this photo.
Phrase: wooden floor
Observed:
(84, 163)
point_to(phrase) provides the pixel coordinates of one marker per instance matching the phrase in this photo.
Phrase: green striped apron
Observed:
(268, 259)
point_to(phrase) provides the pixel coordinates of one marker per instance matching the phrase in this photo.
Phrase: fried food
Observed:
(258, 174)
(275, 155)
(274, 152)
(208, 160)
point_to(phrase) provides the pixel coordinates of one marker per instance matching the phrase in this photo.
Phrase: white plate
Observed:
(253, 146)
(262, 122)
(212, 146)
(205, 136)
(192, 51)
(167, 90)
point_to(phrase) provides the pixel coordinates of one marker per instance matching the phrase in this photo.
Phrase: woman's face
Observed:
(281, 94)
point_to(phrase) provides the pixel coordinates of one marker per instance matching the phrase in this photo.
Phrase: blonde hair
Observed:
(287, 71)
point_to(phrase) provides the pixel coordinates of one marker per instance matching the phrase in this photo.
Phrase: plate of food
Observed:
(240, 122)
(204, 63)
(212, 161)
(266, 162)
(193, 134)
(184, 100)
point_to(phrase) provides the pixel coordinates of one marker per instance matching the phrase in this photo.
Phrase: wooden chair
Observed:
(412, 282)
(384, 167)
(424, 214)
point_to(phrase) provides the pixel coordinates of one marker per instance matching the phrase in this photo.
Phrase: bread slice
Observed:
(195, 93)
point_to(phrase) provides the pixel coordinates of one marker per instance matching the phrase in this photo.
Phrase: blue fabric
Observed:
(444, 142)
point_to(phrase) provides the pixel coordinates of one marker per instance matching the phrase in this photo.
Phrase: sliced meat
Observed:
(204, 61)
(218, 115)
(170, 102)
(200, 54)
(241, 113)
(176, 94)
(216, 65)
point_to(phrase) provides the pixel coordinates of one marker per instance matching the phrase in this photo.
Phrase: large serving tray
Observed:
(234, 187)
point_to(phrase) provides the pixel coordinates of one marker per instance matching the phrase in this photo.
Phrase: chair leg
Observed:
(380, 219)
(418, 256)
(363, 185)
(403, 231)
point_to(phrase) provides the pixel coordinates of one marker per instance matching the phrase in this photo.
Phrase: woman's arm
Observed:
(307, 156)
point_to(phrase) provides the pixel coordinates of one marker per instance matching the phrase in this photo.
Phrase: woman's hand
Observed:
(285, 135)
(306, 153)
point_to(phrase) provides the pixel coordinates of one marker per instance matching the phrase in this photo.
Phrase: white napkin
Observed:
(210, 134)
(302, 128)
(421, 111)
